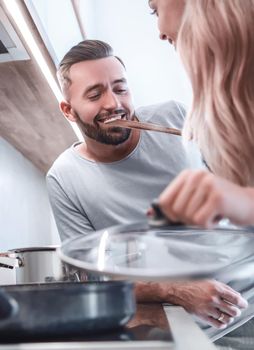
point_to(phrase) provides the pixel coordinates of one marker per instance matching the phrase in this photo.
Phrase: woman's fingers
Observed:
(184, 197)
(194, 197)
(169, 196)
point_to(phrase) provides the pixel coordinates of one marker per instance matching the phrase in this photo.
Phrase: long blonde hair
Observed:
(216, 44)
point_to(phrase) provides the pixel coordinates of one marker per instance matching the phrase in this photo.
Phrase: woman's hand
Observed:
(198, 197)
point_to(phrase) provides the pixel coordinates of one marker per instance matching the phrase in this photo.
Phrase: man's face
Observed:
(169, 13)
(99, 91)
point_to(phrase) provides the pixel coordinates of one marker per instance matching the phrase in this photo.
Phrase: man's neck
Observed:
(98, 152)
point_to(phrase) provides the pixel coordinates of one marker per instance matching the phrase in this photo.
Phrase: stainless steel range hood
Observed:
(11, 48)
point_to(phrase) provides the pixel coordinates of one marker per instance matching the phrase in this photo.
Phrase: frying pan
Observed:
(64, 309)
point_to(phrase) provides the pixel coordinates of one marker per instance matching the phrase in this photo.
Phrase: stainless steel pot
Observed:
(37, 265)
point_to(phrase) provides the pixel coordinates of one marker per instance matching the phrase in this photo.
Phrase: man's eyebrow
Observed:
(122, 80)
(101, 86)
(92, 87)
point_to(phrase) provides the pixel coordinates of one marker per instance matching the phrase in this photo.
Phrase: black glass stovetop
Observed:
(138, 334)
(145, 327)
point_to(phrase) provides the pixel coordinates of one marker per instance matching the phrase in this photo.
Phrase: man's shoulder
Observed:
(62, 162)
(169, 112)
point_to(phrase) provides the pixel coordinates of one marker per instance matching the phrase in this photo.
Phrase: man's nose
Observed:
(111, 101)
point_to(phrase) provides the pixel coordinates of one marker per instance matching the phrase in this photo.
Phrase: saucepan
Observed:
(139, 251)
(37, 265)
(64, 309)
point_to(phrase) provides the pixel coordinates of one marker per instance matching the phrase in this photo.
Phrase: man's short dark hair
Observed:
(84, 51)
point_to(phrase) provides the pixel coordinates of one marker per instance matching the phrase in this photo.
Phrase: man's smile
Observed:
(111, 117)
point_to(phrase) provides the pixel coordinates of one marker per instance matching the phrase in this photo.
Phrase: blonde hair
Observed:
(216, 44)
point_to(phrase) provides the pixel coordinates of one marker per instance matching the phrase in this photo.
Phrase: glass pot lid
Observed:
(139, 252)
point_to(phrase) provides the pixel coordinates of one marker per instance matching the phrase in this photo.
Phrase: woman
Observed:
(215, 39)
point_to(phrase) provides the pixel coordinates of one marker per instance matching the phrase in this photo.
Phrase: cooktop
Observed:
(149, 329)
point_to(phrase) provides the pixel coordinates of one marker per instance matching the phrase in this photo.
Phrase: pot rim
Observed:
(34, 249)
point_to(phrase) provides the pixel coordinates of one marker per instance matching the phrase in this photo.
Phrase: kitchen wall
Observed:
(25, 215)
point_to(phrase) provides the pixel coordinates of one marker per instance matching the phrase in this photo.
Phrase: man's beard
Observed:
(111, 136)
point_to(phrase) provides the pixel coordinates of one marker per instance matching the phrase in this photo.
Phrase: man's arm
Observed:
(206, 299)
(69, 220)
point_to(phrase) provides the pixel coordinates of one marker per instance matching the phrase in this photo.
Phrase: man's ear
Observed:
(67, 110)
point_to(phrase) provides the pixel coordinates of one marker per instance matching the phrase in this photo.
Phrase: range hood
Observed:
(11, 48)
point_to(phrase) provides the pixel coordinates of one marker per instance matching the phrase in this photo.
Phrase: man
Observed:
(113, 175)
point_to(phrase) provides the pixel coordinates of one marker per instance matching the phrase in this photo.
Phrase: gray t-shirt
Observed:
(87, 195)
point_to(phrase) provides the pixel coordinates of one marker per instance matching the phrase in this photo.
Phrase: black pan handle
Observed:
(8, 306)
(158, 219)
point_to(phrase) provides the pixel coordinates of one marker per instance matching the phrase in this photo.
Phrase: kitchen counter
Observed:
(155, 326)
